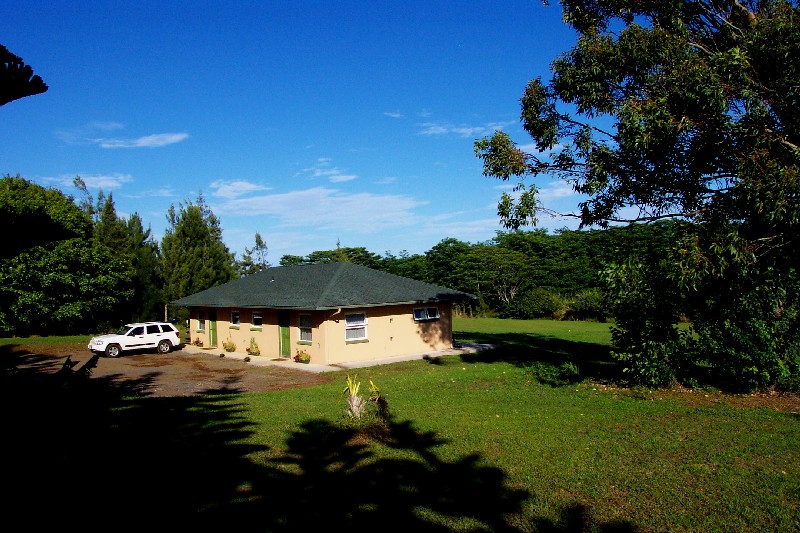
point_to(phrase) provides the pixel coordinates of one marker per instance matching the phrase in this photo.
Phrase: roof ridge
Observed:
(331, 283)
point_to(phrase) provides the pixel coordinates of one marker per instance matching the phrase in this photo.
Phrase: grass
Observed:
(491, 442)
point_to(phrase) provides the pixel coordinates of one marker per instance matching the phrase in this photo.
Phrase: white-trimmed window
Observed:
(304, 323)
(355, 327)
(426, 313)
(235, 318)
(257, 321)
(201, 320)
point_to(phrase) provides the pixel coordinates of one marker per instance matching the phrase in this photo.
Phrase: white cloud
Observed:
(323, 170)
(386, 180)
(161, 192)
(556, 189)
(393, 114)
(340, 178)
(236, 188)
(87, 134)
(444, 128)
(326, 207)
(155, 140)
(106, 182)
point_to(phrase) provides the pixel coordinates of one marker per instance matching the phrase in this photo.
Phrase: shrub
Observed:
(253, 349)
(587, 305)
(370, 415)
(229, 345)
(535, 303)
(302, 356)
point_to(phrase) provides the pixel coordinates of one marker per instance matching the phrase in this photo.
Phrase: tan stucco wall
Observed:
(391, 331)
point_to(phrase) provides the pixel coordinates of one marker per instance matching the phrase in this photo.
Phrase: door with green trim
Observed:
(283, 325)
(212, 327)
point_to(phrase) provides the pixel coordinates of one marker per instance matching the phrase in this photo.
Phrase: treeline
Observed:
(76, 266)
(519, 274)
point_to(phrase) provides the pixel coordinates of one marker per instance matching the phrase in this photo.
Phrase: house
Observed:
(336, 312)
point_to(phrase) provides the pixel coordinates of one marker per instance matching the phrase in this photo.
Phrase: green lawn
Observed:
(491, 442)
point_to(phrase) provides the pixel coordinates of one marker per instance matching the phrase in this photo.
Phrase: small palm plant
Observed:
(355, 403)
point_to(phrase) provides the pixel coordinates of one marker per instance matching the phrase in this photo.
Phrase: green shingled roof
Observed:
(320, 286)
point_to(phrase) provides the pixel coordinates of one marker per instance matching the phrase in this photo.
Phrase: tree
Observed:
(193, 255)
(497, 276)
(688, 111)
(254, 259)
(17, 79)
(54, 278)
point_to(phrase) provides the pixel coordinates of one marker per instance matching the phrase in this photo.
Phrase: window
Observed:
(305, 328)
(257, 323)
(355, 327)
(152, 329)
(426, 313)
(235, 318)
(201, 320)
(138, 330)
(168, 328)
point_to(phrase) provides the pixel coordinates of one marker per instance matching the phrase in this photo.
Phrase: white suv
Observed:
(162, 336)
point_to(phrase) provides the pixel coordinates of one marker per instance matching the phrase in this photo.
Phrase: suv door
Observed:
(135, 339)
(153, 335)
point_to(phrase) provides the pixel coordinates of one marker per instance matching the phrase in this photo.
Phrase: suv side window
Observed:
(167, 328)
(153, 329)
(138, 330)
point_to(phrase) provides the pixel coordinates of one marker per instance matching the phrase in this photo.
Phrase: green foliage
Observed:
(686, 111)
(37, 216)
(254, 259)
(370, 415)
(71, 285)
(53, 277)
(229, 345)
(588, 304)
(536, 302)
(253, 349)
(193, 255)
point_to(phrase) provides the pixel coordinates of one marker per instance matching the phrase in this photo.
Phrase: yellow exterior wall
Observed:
(391, 331)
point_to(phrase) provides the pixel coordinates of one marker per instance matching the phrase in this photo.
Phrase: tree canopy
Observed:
(193, 254)
(17, 79)
(682, 110)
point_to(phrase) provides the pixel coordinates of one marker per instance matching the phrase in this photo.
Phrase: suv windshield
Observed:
(123, 330)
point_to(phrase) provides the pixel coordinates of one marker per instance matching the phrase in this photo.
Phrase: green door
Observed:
(283, 324)
(212, 327)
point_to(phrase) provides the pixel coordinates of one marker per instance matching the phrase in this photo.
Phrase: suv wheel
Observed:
(113, 350)
(164, 347)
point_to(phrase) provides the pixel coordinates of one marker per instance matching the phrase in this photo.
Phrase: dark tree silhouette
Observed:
(17, 79)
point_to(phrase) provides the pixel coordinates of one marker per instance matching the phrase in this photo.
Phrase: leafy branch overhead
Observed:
(674, 109)
(17, 79)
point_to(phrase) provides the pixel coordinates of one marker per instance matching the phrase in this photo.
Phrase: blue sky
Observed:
(311, 123)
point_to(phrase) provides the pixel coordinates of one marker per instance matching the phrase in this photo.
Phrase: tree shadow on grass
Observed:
(552, 360)
(90, 454)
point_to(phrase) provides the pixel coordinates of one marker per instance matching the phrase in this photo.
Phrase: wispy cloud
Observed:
(88, 134)
(556, 189)
(393, 114)
(106, 182)
(323, 169)
(235, 189)
(161, 192)
(155, 140)
(388, 180)
(445, 128)
(330, 207)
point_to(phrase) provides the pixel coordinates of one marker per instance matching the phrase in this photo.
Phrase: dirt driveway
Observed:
(179, 373)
